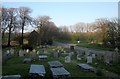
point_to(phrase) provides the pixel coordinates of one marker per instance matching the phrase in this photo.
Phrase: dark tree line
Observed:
(18, 18)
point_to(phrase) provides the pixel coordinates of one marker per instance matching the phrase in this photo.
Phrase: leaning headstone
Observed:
(89, 59)
(93, 55)
(67, 59)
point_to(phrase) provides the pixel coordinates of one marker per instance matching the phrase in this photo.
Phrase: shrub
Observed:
(50, 42)
(99, 72)
(26, 46)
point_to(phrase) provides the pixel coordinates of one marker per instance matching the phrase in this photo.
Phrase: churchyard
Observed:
(77, 64)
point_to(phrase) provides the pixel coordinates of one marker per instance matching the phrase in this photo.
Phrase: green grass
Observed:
(15, 65)
(94, 46)
(115, 67)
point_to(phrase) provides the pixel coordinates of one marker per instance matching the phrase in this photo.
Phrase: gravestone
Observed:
(93, 55)
(115, 56)
(12, 51)
(87, 53)
(45, 52)
(107, 58)
(67, 59)
(78, 57)
(71, 53)
(34, 51)
(21, 53)
(89, 59)
(55, 54)
(38, 52)
(64, 52)
(27, 51)
(33, 55)
(8, 52)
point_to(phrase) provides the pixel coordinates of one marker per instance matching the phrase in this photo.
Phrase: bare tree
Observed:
(25, 18)
(9, 16)
(101, 27)
(46, 29)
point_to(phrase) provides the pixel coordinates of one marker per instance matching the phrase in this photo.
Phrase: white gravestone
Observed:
(38, 52)
(67, 59)
(27, 50)
(33, 55)
(89, 59)
(93, 55)
(8, 51)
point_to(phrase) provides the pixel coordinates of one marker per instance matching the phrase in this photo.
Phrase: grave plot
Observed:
(86, 67)
(37, 70)
(59, 72)
(55, 64)
(12, 77)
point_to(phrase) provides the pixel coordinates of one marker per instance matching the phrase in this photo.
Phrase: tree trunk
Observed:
(9, 36)
(22, 31)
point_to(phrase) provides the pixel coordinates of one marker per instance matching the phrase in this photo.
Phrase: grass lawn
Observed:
(115, 67)
(15, 65)
(95, 46)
